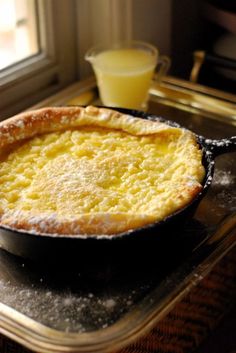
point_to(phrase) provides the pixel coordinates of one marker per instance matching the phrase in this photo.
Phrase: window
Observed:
(39, 52)
(18, 31)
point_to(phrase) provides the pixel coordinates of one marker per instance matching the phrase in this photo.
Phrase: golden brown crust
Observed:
(33, 123)
(84, 224)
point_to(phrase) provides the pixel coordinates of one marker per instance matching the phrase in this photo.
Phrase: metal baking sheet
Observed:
(67, 309)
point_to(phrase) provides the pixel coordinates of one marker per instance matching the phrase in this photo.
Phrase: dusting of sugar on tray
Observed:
(224, 177)
(65, 309)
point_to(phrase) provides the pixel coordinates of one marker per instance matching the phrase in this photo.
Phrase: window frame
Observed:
(54, 67)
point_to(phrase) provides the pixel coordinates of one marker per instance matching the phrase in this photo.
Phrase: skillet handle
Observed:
(218, 147)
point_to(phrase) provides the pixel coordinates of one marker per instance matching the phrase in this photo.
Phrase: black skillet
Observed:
(95, 249)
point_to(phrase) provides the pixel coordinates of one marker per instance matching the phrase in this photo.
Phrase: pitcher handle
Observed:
(162, 68)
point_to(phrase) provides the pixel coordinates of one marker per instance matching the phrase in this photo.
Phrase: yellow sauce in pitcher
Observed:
(124, 76)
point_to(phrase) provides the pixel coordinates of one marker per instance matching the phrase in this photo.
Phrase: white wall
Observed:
(110, 20)
(152, 22)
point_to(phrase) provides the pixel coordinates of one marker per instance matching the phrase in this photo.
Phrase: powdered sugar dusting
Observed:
(224, 177)
(66, 310)
(224, 191)
(20, 123)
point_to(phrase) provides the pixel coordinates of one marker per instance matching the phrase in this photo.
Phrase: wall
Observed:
(103, 21)
(152, 22)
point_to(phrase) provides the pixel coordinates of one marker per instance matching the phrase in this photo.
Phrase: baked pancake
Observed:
(75, 170)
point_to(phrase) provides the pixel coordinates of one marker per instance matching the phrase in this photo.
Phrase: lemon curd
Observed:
(100, 172)
(124, 76)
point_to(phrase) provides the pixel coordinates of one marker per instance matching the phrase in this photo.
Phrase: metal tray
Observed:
(63, 309)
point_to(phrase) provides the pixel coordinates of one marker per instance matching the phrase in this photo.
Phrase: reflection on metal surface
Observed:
(226, 227)
(180, 84)
(189, 99)
(199, 57)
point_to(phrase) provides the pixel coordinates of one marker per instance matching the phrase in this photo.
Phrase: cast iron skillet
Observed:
(97, 249)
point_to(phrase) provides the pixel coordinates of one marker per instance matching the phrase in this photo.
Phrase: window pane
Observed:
(18, 31)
